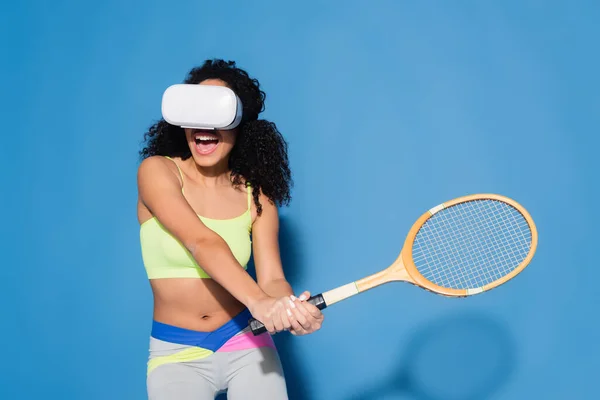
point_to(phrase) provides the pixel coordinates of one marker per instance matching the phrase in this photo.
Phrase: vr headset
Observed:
(201, 107)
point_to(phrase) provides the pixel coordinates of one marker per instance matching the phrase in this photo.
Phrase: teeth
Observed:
(206, 138)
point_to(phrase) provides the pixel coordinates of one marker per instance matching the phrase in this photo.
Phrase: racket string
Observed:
(478, 255)
(471, 244)
(486, 237)
(439, 235)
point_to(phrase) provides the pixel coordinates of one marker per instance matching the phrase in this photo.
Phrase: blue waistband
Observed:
(207, 340)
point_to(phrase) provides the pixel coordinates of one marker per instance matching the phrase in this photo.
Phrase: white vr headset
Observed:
(201, 107)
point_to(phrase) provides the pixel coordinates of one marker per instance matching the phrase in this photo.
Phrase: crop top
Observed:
(166, 257)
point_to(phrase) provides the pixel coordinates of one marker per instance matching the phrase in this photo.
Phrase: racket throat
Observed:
(396, 272)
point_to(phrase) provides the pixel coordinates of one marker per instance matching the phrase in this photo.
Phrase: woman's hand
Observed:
(275, 313)
(307, 318)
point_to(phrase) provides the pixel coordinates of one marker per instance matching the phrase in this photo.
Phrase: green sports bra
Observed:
(165, 257)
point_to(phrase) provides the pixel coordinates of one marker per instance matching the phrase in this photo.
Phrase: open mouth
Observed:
(206, 142)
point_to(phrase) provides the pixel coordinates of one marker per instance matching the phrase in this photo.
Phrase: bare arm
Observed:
(305, 318)
(267, 258)
(160, 191)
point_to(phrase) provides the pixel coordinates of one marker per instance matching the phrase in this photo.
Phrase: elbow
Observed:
(208, 244)
(198, 245)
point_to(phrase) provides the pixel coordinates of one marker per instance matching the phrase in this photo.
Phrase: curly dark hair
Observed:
(259, 156)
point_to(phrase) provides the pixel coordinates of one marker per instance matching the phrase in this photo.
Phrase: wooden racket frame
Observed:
(404, 269)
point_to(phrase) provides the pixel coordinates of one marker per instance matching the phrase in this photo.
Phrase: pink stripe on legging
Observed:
(248, 341)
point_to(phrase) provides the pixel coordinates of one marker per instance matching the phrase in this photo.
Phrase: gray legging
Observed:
(254, 373)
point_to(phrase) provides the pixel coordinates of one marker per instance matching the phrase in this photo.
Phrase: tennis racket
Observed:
(460, 248)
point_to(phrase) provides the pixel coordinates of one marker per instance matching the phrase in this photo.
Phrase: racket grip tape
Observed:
(257, 327)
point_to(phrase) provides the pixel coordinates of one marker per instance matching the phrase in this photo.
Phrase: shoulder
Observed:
(154, 163)
(157, 167)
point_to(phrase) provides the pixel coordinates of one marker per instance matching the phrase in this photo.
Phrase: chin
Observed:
(207, 162)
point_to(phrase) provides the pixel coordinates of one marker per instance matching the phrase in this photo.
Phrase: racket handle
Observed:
(258, 327)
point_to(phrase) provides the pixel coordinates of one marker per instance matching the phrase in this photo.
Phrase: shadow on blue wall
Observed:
(291, 257)
(460, 357)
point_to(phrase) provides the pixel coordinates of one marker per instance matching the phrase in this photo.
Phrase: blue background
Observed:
(388, 108)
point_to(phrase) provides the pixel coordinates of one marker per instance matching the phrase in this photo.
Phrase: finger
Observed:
(277, 322)
(286, 318)
(294, 318)
(301, 332)
(298, 332)
(304, 296)
(313, 315)
(313, 310)
(303, 316)
(284, 314)
(269, 326)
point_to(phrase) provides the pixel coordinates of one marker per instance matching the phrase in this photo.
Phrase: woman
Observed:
(201, 195)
